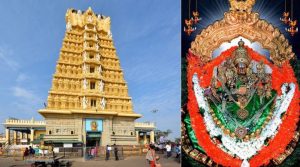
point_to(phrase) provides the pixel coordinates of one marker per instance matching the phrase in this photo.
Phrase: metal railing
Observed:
(11, 152)
(100, 153)
(88, 153)
(70, 152)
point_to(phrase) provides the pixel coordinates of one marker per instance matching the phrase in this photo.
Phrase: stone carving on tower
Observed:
(88, 76)
(88, 83)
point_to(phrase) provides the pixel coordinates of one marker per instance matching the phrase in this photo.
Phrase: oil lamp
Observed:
(196, 17)
(189, 30)
(285, 18)
(292, 29)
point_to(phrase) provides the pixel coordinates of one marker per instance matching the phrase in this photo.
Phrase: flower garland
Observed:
(211, 149)
(285, 133)
(244, 150)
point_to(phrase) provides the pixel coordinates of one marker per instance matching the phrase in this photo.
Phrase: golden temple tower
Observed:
(88, 101)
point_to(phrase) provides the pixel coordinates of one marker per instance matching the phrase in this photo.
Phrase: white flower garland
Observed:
(244, 150)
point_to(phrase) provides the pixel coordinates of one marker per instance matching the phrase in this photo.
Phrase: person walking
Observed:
(26, 153)
(178, 150)
(108, 149)
(169, 149)
(31, 151)
(150, 156)
(116, 152)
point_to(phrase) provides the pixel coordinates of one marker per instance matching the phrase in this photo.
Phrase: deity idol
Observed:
(241, 95)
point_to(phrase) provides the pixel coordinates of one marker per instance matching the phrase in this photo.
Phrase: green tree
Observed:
(160, 133)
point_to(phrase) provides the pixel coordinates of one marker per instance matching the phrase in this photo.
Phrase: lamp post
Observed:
(154, 111)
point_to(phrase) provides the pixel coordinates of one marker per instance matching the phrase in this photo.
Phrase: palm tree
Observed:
(160, 133)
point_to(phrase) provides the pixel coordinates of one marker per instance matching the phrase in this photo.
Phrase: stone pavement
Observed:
(134, 161)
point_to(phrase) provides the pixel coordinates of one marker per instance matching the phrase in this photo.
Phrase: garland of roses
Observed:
(285, 133)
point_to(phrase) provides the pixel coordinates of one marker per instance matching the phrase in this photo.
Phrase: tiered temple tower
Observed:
(88, 101)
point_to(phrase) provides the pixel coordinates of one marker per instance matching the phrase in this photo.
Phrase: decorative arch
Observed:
(247, 25)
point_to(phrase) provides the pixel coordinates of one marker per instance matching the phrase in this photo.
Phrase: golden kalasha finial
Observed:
(285, 17)
(241, 5)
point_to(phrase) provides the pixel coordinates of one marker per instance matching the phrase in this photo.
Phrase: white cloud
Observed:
(24, 94)
(21, 77)
(5, 55)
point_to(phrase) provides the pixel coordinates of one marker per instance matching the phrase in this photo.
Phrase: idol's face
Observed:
(241, 68)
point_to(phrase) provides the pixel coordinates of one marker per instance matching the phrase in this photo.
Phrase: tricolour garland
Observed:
(244, 150)
(263, 154)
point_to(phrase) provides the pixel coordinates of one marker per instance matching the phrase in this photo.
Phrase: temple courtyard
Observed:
(133, 161)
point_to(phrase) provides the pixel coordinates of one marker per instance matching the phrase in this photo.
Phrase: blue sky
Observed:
(146, 35)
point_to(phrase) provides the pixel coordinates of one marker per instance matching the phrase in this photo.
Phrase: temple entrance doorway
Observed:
(93, 139)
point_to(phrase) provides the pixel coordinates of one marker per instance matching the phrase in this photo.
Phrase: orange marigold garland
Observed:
(286, 130)
(215, 153)
(284, 136)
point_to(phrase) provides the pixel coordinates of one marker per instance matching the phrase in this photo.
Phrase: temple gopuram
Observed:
(88, 101)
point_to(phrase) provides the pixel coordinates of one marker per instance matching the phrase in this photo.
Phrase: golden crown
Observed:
(241, 55)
